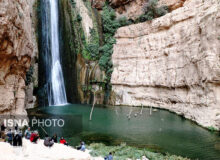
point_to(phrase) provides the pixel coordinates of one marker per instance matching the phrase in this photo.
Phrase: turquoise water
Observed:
(162, 131)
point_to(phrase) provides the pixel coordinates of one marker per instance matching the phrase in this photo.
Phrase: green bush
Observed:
(151, 11)
(91, 49)
(123, 21)
(86, 53)
(212, 129)
(93, 46)
(110, 26)
(123, 152)
(161, 11)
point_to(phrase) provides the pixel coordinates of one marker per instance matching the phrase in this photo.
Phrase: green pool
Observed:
(160, 131)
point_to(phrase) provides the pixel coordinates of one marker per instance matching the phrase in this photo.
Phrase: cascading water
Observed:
(50, 46)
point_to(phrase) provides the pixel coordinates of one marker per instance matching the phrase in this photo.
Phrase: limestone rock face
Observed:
(172, 62)
(172, 4)
(124, 8)
(88, 80)
(16, 52)
(134, 8)
(119, 3)
(130, 8)
(86, 19)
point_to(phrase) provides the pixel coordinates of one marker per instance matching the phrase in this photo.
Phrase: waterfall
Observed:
(50, 46)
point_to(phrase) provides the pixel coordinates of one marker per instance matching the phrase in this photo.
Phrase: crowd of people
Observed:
(48, 141)
(14, 137)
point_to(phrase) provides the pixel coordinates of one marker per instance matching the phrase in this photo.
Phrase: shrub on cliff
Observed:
(93, 46)
(110, 25)
(151, 11)
(123, 21)
(93, 49)
(90, 49)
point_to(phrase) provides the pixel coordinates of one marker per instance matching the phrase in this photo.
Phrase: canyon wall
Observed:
(132, 9)
(16, 53)
(172, 62)
(82, 75)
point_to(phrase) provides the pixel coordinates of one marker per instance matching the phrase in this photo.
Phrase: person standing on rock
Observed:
(10, 136)
(19, 138)
(15, 138)
(54, 138)
(27, 133)
(2, 133)
(16, 127)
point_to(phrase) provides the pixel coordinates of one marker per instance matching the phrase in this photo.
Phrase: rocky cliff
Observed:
(172, 62)
(124, 8)
(16, 52)
(132, 9)
(82, 74)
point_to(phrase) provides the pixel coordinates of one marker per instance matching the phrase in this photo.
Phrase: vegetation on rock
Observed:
(110, 26)
(99, 46)
(92, 50)
(151, 11)
(212, 129)
(124, 152)
(93, 46)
